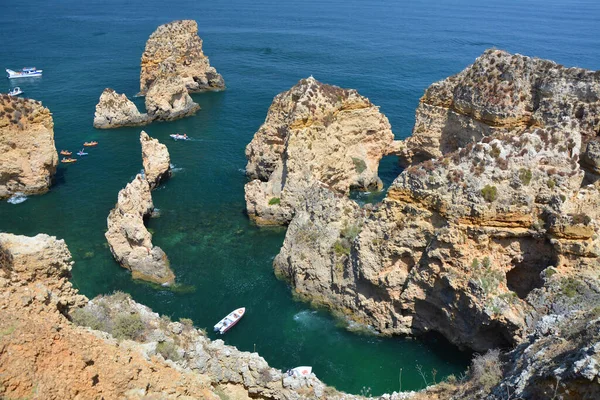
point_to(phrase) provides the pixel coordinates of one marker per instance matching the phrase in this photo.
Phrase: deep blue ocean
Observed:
(390, 51)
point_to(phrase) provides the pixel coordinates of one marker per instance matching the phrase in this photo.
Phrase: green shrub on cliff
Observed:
(168, 350)
(127, 326)
(489, 193)
(274, 201)
(341, 247)
(525, 176)
(359, 164)
(486, 370)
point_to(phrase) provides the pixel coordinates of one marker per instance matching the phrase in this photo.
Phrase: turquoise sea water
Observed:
(390, 51)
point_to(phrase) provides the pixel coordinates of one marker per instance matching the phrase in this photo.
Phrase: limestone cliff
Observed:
(57, 344)
(168, 99)
(502, 92)
(156, 160)
(115, 110)
(313, 133)
(129, 240)
(28, 157)
(177, 43)
(478, 244)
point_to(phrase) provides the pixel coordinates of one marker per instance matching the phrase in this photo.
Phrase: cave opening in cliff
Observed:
(389, 169)
(535, 256)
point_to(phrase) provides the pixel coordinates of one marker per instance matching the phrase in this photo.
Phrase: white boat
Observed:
(24, 73)
(81, 153)
(300, 371)
(15, 92)
(178, 136)
(230, 320)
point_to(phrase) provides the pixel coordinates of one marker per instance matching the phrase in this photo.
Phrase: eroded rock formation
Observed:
(129, 240)
(28, 157)
(156, 160)
(313, 133)
(477, 244)
(503, 92)
(115, 110)
(115, 347)
(168, 99)
(178, 44)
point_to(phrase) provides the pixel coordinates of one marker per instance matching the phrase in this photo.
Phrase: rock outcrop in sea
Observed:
(480, 243)
(129, 240)
(115, 110)
(155, 159)
(167, 99)
(28, 156)
(58, 344)
(313, 133)
(178, 46)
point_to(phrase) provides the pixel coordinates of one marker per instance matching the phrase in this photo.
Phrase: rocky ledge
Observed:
(178, 45)
(57, 344)
(129, 240)
(115, 110)
(313, 133)
(28, 157)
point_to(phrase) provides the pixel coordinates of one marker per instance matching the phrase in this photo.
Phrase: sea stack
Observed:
(156, 160)
(28, 156)
(178, 44)
(313, 133)
(115, 110)
(129, 240)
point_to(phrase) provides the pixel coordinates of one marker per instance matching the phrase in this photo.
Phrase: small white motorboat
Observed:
(230, 320)
(178, 136)
(24, 73)
(15, 91)
(81, 153)
(300, 371)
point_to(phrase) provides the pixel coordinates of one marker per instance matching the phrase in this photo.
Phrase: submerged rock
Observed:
(28, 156)
(156, 160)
(313, 133)
(115, 110)
(178, 44)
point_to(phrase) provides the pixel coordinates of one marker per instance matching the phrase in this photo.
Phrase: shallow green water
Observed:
(389, 51)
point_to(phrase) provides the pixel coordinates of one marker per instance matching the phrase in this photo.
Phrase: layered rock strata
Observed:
(129, 240)
(115, 110)
(155, 159)
(502, 92)
(478, 244)
(28, 157)
(313, 133)
(178, 45)
(115, 347)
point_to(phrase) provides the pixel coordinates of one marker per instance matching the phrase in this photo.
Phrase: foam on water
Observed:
(17, 198)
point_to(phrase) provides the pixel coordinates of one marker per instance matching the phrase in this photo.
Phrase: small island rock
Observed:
(115, 110)
(28, 156)
(156, 160)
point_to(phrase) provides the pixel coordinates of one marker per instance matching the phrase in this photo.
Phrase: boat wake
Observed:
(306, 317)
(17, 198)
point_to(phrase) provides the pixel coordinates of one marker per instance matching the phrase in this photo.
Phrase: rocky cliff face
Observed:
(503, 92)
(28, 157)
(178, 44)
(168, 99)
(156, 160)
(478, 244)
(313, 133)
(115, 110)
(129, 240)
(57, 344)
